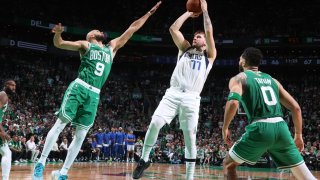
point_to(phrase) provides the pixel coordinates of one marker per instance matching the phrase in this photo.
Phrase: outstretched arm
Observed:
(290, 103)
(67, 45)
(176, 34)
(235, 86)
(211, 47)
(118, 42)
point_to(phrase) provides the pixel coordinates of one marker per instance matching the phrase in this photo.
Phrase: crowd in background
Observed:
(127, 102)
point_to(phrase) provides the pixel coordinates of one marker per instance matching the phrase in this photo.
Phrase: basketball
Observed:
(194, 6)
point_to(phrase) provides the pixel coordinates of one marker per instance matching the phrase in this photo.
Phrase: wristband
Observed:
(234, 96)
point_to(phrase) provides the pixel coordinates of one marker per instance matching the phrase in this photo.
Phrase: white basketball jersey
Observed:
(191, 71)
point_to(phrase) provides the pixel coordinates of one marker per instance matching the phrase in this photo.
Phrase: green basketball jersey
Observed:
(260, 98)
(95, 65)
(2, 111)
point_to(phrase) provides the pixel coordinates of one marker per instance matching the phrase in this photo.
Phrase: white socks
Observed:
(51, 140)
(190, 152)
(73, 149)
(302, 172)
(151, 136)
(5, 161)
(190, 170)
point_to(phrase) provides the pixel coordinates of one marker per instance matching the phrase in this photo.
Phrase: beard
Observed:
(241, 69)
(9, 91)
(100, 37)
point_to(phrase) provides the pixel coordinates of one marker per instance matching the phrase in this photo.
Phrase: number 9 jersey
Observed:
(95, 65)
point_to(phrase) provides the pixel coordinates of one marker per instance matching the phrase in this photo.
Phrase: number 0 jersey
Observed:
(191, 71)
(260, 98)
(95, 65)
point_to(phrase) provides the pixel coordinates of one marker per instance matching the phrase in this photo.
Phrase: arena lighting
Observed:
(82, 31)
(33, 46)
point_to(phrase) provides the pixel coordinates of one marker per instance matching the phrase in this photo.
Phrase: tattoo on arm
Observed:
(207, 21)
(241, 79)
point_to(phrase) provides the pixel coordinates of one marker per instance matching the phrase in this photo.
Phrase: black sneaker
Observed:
(138, 172)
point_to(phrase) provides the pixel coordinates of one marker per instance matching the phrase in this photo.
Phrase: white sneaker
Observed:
(55, 175)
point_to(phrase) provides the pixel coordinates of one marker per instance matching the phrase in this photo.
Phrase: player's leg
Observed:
(5, 161)
(151, 136)
(229, 168)
(116, 150)
(150, 139)
(51, 139)
(131, 152)
(49, 142)
(164, 113)
(113, 151)
(252, 145)
(188, 118)
(65, 114)
(286, 155)
(190, 151)
(83, 121)
(302, 172)
(128, 153)
(108, 149)
(74, 149)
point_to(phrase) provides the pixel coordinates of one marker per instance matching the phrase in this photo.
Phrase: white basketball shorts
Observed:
(180, 102)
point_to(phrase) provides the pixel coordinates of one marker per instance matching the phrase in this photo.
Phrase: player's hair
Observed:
(253, 56)
(6, 82)
(200, 32)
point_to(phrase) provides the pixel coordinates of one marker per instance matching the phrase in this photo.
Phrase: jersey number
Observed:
(273, 100)
(99, 69)
(194, 62)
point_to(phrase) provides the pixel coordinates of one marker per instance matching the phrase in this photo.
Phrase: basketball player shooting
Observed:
(194, 63)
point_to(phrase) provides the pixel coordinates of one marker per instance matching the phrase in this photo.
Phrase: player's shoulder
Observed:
(240, 76)
(3, 97)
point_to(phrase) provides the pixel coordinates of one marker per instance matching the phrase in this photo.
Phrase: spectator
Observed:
(32, 150)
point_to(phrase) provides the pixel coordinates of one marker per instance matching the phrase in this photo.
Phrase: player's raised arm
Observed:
(211, 47)
(67, 45)
(176, 34)
(118, 42)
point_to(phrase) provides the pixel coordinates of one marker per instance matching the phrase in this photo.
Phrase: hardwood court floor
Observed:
(123, 171)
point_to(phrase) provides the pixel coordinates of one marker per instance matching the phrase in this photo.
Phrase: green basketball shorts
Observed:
(79, 105)
(270, 135)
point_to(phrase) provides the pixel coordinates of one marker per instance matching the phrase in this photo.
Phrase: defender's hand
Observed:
(58, 28)
(154, 8)
(299, 141)
(226, 137)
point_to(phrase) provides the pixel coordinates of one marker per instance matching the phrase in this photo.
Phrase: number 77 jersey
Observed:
(260, 98)
(191, 70)
(95, 65)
